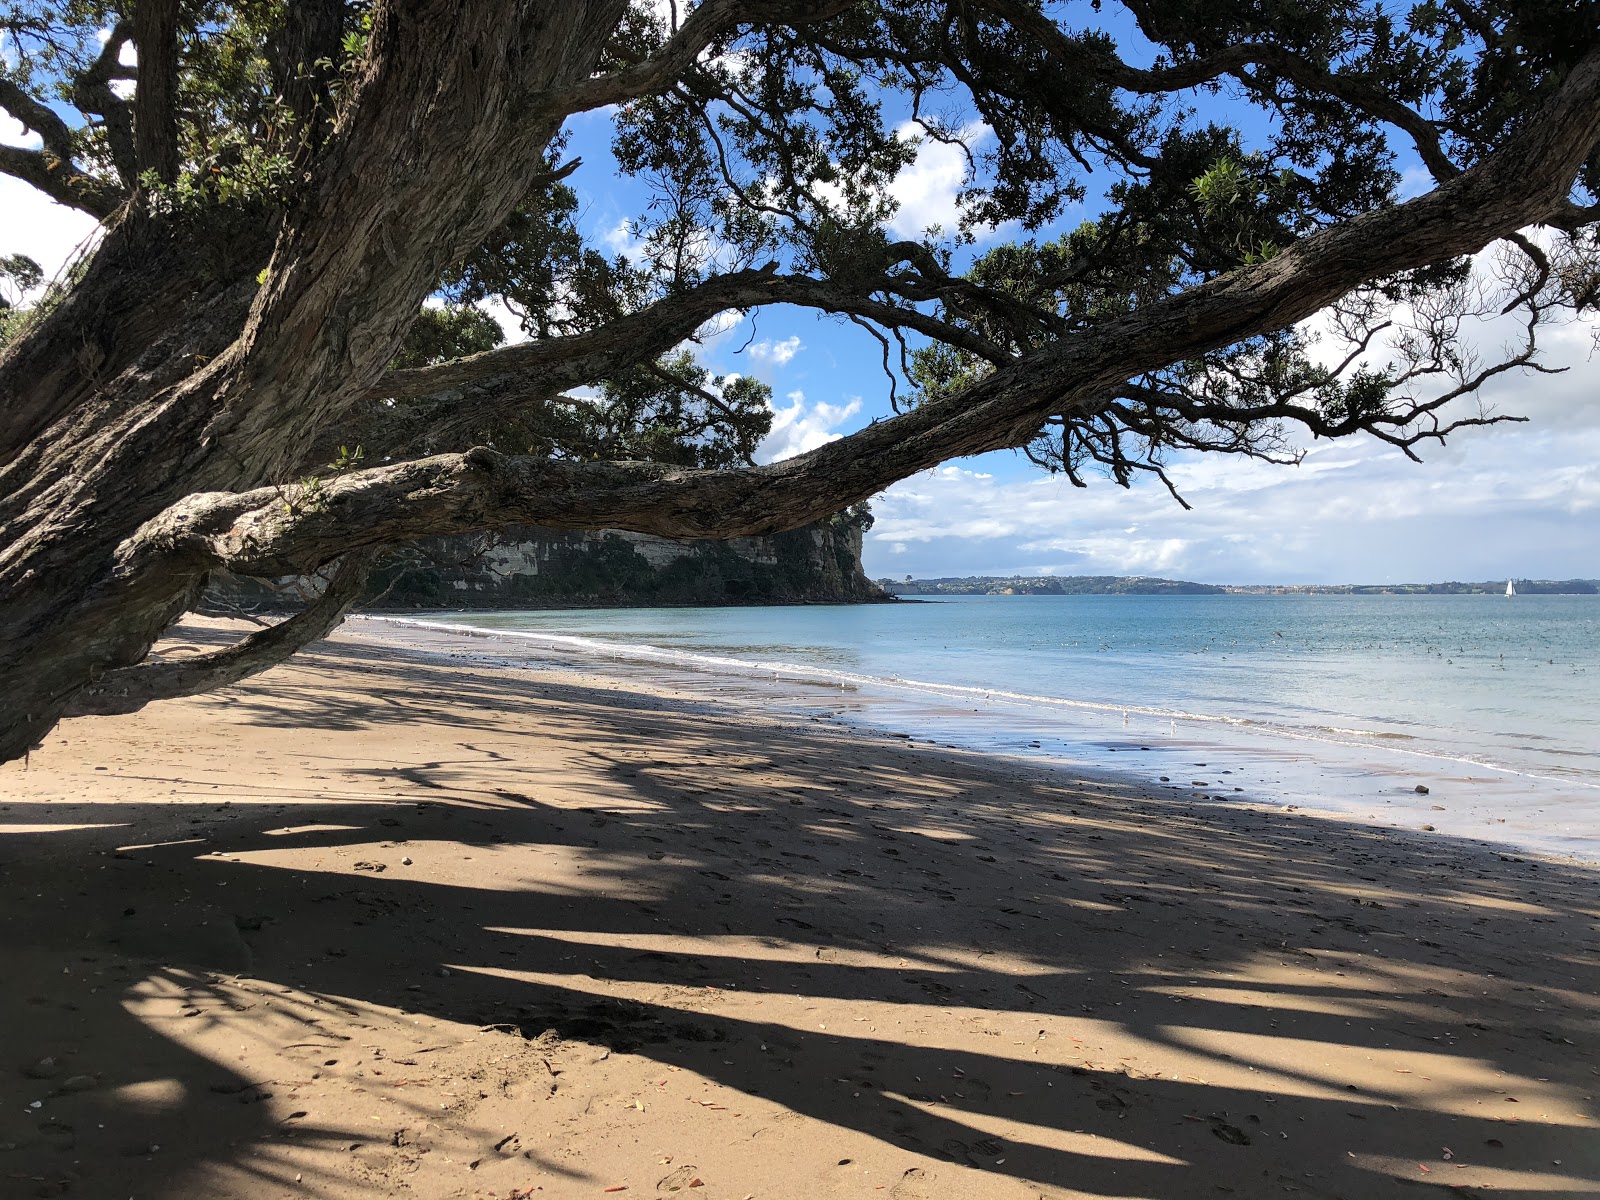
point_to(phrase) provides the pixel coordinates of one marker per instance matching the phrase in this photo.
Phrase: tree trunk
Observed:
(124, 404)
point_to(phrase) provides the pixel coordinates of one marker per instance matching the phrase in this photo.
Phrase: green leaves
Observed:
(1222, 189)
(449, 331)
(19, 275)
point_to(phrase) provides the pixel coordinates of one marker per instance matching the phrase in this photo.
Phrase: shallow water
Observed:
(1341, 702)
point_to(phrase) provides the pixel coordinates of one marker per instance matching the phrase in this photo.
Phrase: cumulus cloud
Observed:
(804, 425)
(927, 188)
(620, 240)
(769, 353)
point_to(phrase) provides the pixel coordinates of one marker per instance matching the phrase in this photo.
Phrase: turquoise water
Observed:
(1357, 698)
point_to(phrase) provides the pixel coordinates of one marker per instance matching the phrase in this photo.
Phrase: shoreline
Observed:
(1387, 785)
(372, 924)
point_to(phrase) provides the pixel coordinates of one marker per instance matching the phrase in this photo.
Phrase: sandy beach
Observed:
(373, 924)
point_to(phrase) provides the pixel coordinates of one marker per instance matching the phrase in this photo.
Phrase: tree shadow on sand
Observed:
(1046, 916)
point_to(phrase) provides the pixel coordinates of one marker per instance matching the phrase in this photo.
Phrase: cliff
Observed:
(532, 567)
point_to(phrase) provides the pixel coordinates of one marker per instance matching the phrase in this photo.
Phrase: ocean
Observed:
(1339, 704)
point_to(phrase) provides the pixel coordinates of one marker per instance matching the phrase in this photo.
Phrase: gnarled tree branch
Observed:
(129, 689)
(576, 359)
(59, 179)
(92, 93)
(37, 118)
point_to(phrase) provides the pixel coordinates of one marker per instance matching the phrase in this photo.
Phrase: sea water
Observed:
(1337, 703)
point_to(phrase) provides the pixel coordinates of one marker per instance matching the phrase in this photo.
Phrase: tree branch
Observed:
(262, 533)
(51, 169)
(59, 179)
(91, 92)
(705, 25)
(36, 118)
(563, 362)
(129, 689)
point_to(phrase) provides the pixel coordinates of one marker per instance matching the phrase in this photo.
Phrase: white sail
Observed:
(1511, 588)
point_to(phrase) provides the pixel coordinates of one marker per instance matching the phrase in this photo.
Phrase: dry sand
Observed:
(372, 925)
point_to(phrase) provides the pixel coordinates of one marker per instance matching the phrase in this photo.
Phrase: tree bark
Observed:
(155, 126)
(447, 94)
(131, 688)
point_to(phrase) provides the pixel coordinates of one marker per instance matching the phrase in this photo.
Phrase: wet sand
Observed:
(373, 925)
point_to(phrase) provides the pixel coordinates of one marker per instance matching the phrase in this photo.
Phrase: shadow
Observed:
(974, 979)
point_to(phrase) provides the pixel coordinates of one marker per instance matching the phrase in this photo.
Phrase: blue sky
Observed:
(1518, 500)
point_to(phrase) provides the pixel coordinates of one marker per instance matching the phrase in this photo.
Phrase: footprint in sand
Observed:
(916, 1184)
(679, 1180)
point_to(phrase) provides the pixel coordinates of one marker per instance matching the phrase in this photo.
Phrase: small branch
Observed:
(92, 93)
(711, 21)
(131, 688)
(37, 118)
(59, 179)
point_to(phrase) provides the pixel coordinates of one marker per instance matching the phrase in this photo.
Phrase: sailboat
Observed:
(1511, 588)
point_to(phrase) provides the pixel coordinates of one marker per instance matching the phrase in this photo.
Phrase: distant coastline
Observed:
(1145, 585)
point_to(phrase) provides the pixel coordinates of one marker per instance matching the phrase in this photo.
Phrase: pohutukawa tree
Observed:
(281, 185)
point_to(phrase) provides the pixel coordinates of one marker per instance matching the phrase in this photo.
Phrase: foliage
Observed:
(19, 275)
(446, 332)
(1094, 190)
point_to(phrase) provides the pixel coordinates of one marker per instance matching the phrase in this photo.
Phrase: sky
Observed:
(1513, 500)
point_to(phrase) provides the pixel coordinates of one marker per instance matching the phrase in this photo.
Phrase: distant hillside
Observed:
(1493, 587)
(1048, 585)
(1144, 585)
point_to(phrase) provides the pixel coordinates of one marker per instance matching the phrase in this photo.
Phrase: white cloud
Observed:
(47, 232)
(1513, 500)
(620, 240)
(804, 426)
(775, 354)
(926, 189)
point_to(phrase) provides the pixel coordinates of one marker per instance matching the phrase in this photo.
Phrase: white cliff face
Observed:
(531, 567)
(539, 555)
